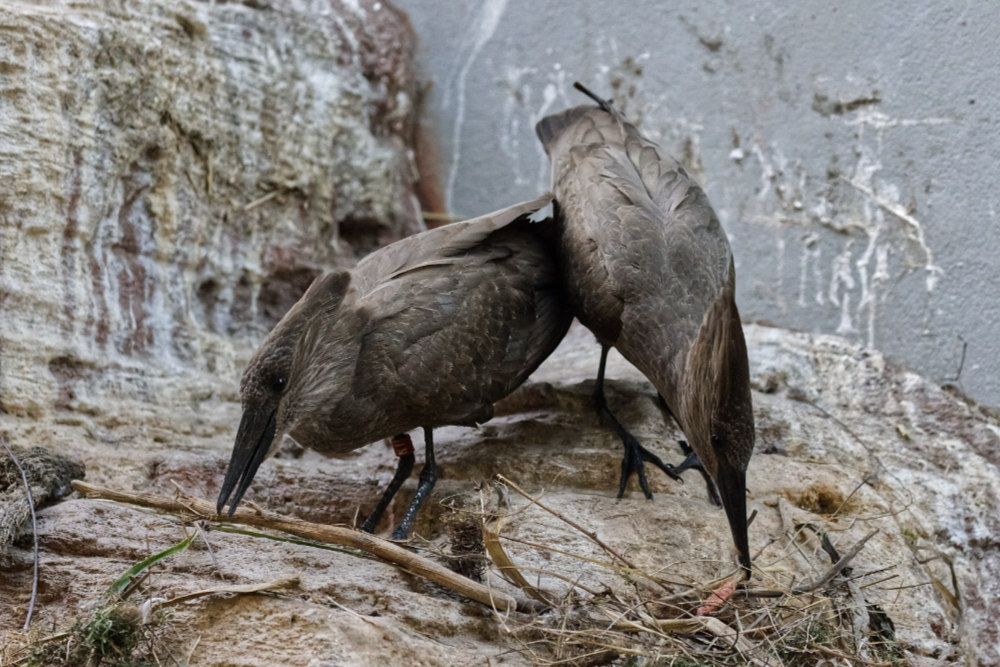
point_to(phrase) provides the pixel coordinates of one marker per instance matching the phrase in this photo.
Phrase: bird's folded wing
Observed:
(436, 244)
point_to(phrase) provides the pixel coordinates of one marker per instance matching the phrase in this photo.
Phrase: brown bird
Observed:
(428, 331)
(649, 271)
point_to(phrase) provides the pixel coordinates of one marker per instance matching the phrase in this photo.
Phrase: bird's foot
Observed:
(690, 462)
(633, 462)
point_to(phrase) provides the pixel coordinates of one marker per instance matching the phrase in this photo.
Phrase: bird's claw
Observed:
(634, 460)
(691, 462)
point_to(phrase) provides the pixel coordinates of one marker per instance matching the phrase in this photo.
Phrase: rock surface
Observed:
(174, 176)
(846, 440)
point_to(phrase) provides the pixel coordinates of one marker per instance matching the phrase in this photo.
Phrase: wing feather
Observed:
(652, 257)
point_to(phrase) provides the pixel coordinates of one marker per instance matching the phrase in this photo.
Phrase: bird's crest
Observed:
(601, 102)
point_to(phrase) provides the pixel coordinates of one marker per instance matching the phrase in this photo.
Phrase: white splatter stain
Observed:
(779, 287)
(479, 34)
(523, 105)
(841, 285)
(767, 172)
(856, 279)
(880, 121)
(913, 230)
(810, 256)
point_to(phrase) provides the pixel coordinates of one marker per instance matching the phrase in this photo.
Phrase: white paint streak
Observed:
(479, 34)
(914, 230)
(767, 173)
(881, 121)
(549, 95)
(868, 292)
(818, 276)
(780, 281)
(809, 255)
(841, 284)
(856, 278)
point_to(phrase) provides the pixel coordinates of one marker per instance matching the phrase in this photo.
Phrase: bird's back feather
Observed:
(438, 326)
(642, 245)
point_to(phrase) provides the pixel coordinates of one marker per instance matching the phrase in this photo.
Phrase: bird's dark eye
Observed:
(715, 441)
(280, 382)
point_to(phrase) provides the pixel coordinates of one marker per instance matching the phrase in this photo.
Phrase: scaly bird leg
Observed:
(635, 455)
(403, 447)
(428, 476)
(691, 462)
(691, 459)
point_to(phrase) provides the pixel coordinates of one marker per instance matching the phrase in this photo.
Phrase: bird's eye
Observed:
(280, 382)
(715, 441)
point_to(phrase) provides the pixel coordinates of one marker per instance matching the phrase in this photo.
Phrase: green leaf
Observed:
(137, 569)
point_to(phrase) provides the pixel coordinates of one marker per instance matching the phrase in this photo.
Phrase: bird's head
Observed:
(731, 442)
(267, 389)
(720, 407)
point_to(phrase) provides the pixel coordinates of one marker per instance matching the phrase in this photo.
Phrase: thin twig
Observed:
(868, 448)
(569, 580)
(902, 588)
(277, 584)
(837, 567)
(193, 647)
(864, 480)
(261, 200)
(874, 572)
(360, 617)
(34, 532)
(208, 545)
(341, 535)
(961, 361)
(591, 534)
(879, 581)
(491, 540)
(760, 593)
(545, 547)
(708, 624)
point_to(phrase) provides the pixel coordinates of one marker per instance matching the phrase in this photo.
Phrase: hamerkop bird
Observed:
(428, 331)
(649, 271)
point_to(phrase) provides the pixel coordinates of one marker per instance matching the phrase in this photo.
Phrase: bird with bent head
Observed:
(649, 271)
(426, 332)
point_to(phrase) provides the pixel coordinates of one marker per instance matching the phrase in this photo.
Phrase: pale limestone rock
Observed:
(846, 441)
(174, 173)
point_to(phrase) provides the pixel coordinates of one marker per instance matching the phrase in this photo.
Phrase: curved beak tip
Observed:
(253, 442)
(746, 566)
(731, 483)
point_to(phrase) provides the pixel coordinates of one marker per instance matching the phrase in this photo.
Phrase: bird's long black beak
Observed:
(732, 485)
(253, 440)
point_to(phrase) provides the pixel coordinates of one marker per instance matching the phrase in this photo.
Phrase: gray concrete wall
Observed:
(849, 148)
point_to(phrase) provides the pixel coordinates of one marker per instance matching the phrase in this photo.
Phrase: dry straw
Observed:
(643, 618)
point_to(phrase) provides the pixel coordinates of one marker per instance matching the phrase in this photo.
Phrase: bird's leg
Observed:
(635, 455)
(691, 462)
(428, 476)
(403, 447)
(691, 459)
